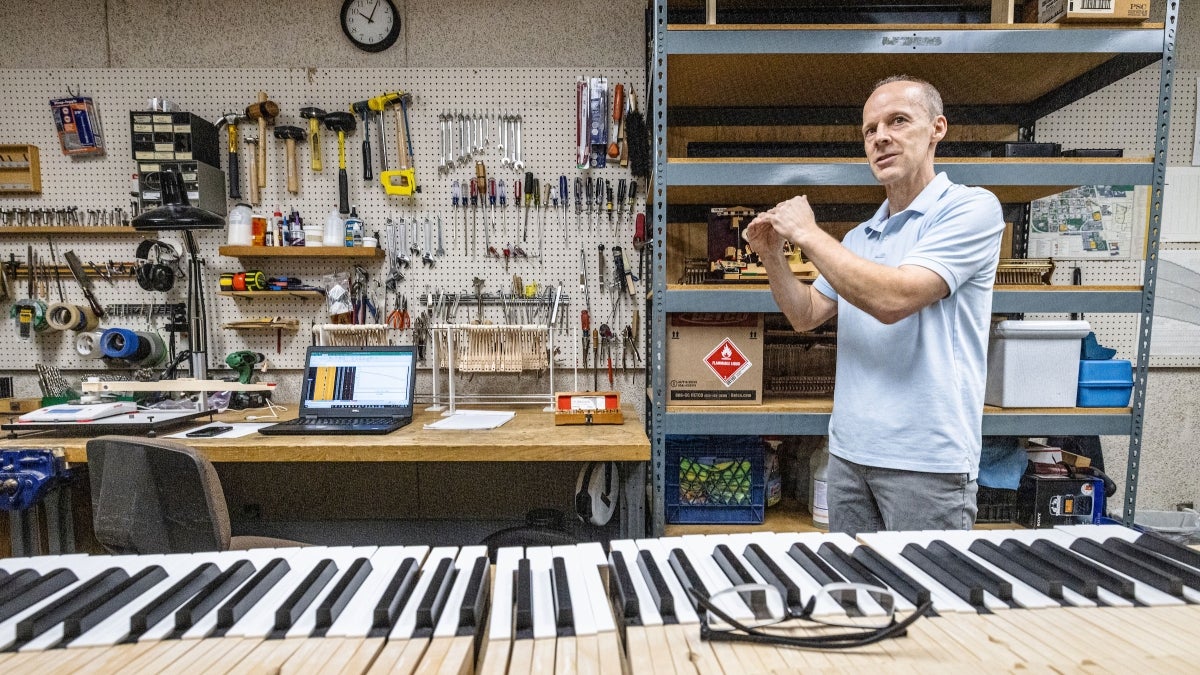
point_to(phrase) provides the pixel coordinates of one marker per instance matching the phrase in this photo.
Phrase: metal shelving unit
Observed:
(989, 74)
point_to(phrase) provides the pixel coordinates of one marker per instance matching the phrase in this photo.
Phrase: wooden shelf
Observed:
(67, 229)
(20, 170)
(300, 252)
(272, 294)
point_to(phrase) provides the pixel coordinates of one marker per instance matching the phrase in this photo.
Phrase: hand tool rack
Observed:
(447, 342)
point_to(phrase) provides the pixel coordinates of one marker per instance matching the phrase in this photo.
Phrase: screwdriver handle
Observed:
(474, 192)
(562, 190)
(455, 191)
(503, 192)
(529, 188)
(517, 193)
(481, 174)
(546, 194)
(632, 195)
(585, 320)
(492, 191)
(614, 148)
(537, 195)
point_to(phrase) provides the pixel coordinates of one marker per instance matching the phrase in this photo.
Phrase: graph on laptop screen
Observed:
(358, 379)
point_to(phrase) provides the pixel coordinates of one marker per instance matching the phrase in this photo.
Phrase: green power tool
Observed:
(243, 363)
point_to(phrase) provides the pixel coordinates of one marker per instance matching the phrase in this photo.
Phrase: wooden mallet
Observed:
(265, 111)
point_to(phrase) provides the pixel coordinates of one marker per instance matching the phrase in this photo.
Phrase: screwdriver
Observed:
(562, 197)
(588, 186)
(620, 201)
(455, 193)
(632, 196)
(598, 194)
(595, 360)
(578, 202)
(487, 227)
(474, 205)
(585, 320)
(502, 187)
(537, 206)
(517, 204)
(608, 200)
(614, 148)
(529, 189)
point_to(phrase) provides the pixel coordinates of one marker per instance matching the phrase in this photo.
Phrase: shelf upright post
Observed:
(656, 355)
(1150, 270)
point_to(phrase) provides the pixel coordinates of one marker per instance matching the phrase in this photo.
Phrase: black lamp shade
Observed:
(176, 213)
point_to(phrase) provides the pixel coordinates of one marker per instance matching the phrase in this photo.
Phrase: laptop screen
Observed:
(375, 380)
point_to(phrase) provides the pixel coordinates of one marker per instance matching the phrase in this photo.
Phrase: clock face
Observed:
(372, 25)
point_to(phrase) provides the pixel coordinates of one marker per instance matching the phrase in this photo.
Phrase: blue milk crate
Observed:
(714, 479)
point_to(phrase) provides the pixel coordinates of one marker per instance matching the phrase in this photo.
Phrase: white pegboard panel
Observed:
(1121, 115)
(544, 98)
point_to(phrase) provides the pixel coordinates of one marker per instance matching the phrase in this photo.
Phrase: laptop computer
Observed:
(354, 390)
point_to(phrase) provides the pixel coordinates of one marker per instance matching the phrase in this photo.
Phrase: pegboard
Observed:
(1125, 115)
(544, 98)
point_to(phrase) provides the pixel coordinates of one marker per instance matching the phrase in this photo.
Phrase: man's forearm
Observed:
(791, 295)
(884, 292)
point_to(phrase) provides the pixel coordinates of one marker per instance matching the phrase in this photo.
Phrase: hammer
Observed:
(252, 141)
(314, 116)
(230, 122)
(291, 135)
(264, 111)
(343, 123)
(363, 109)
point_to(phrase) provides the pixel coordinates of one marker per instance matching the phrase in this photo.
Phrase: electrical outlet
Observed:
(1185, 505)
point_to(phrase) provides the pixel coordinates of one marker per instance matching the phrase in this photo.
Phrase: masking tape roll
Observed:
(64, 316)
(227, 281)
(256, 280)
(239, 281)
(158, 349)
(87, 345)
(90, 320)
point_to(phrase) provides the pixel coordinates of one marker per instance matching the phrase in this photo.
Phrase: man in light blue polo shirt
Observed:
(912, 290)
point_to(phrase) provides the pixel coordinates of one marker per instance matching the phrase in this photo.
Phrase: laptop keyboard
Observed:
(344, 421)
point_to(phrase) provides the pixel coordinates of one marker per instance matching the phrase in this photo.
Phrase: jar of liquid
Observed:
(240, 226)
(258, 231)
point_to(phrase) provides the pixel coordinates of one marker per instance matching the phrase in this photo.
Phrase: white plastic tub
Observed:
(1034, 364)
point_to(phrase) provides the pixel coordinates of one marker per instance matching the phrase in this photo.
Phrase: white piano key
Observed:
(660, 549)
(116, 627)
(592, 558)
(540, 562)
(447, 623)
(777, 545)
(207, 623)
(357, 618)
(84, 568)
(406, 624)
(647, 611)
(699, 549)
(581, 603)
(500, 619)
(1022, 593)
(343, 557)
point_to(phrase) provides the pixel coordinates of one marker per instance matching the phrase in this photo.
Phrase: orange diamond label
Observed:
(727, 362)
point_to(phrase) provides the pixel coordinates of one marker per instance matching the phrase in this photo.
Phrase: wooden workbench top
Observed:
(531, 436)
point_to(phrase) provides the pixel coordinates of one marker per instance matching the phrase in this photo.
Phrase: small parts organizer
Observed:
(490, 348)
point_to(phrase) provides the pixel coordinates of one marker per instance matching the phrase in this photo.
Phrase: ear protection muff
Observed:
(596, 492)
(156, 262)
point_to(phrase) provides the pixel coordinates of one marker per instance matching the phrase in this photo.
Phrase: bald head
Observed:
(928, 95)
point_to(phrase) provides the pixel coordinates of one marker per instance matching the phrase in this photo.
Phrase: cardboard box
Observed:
(1080, 11)
(714, 358)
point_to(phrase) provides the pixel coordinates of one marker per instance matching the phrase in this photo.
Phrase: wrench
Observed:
(440, 250)
(427, 257)
(518, 165)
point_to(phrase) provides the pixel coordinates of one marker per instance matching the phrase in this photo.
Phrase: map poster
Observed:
(1090, 222)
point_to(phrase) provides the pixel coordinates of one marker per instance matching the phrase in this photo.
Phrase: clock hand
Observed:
(371, 18)
(365, 17)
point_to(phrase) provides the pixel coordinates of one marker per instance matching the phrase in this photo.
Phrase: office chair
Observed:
(158, 496)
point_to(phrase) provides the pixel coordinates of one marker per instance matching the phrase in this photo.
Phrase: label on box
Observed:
(727, 362)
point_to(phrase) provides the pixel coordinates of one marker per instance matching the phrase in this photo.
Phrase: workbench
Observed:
(530, 436)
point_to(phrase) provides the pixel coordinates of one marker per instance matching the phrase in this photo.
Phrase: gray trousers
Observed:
(869, 499)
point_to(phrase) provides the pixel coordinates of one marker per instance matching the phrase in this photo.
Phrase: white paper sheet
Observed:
(239, 429)
(473, 419)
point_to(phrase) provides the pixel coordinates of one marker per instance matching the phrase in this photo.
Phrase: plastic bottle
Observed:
(354, 225)
(818, 489)
(335, 229)
(772, 480)
(276, 238)
(239, 225)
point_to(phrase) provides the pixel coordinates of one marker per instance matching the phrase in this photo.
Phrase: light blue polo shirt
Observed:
(910, 395)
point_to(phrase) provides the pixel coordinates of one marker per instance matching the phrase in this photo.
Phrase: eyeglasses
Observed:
(741, 613)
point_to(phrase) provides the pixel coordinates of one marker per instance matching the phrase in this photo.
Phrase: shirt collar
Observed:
(921, 204)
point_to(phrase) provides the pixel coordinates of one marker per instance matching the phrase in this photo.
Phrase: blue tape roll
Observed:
(119, 343)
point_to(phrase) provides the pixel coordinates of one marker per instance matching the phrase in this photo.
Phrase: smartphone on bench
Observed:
(208, 432)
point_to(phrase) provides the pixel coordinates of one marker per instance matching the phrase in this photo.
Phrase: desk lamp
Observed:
(177, 214)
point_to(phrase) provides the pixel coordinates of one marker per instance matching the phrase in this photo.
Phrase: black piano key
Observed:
(773, 574)
(523, 592)
(621, 589)
(1049, 569)
(303, 595)
(51, 615)
(1129, 566)
(15, 583)
(852, 570)
(1163, 546)
(170, 600)
(687, 575)
(1189, 575)
(211, 595)
(812, 563)
(103, 606)
(1016, 564)
(737, 574)
(3, 577)
(249, 594)
(660, 592)
(1083, 567)
(343, 591)
(892, 577)
(398, 590)
(36, 591)
(931, 564)
(429, 609)
(991, 582)
(475, 599)
(564, 614)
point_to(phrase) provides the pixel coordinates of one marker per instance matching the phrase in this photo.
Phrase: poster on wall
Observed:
(1096, 222)
(1177, 305)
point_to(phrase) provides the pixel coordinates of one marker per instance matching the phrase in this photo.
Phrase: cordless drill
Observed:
(243, 362)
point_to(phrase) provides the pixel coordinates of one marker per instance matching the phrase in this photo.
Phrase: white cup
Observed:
(370, 242)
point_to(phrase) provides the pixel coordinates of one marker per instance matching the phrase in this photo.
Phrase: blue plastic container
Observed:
(1105, 384)
(715, 479)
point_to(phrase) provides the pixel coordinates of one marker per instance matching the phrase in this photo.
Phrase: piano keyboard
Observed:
(1068, 599)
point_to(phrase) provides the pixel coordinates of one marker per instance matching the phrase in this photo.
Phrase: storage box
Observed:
(1130, 11)
(1105, 384)
(714, 359)
(593, 407)
(714, 479)
(1034, 364)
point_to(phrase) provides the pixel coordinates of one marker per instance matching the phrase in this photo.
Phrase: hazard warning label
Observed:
(727, 362)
